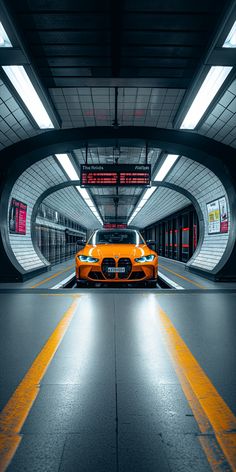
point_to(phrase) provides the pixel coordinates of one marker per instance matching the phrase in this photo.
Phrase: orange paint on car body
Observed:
(112, 257)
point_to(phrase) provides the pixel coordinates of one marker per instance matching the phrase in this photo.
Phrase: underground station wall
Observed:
(176, 237)
(194, 181)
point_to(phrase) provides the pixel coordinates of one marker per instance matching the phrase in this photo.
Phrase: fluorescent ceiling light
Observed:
(67, 166)
(84, 194)
(72, 174)
(24, 87)
(4, 40)
(209, 88)
(230, 41)
(161, 174)
(142, 202)
(166, 166)
(148, 193)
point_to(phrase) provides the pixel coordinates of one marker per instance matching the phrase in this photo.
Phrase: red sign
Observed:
(224, 219)
(114, 226)
(224, 227)
(17, 217)
(194, 236)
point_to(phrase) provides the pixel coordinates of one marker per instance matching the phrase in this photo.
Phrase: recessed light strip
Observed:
(24, 87)
(72, 174)
(161, 174)
(230, 41)
(166, 166)
(142, 202)
(209, 88)
(67, 166)
(4, 39)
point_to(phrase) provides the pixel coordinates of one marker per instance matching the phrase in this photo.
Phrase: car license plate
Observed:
(116, 269)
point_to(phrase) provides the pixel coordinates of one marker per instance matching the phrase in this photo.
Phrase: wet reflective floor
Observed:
(118, 381)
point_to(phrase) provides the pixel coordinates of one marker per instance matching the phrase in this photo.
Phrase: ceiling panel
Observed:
(90, 106)
(14, 124)
(221, 123)
(114, 29)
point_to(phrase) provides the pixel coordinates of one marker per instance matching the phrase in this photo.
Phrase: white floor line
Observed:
(63, 282)
(170, 282)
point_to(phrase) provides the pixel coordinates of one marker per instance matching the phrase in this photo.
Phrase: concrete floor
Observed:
(111, 399)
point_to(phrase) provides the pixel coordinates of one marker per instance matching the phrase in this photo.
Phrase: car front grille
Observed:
(108, 262)
(126, 263)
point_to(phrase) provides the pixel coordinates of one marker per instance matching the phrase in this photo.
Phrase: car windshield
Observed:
(116, 237)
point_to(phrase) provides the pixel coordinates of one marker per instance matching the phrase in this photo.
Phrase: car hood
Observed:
(113, 250)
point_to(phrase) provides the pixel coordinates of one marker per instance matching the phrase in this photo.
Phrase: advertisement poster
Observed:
(213, 210)
(218, 219)
(17, 217)
(224, 222)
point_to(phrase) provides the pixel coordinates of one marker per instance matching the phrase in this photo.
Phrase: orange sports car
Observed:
(115, 256)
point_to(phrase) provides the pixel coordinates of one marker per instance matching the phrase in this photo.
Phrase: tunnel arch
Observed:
(215, 156)
(71, 183)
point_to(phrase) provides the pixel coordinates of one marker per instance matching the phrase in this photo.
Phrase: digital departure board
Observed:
(115, 225)
(93, 175)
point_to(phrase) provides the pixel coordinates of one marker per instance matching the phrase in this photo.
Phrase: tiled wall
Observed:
(14, 124)
(29, 186)
(70, 203)
(221, 123)
(137, 106)
(85, 106)
(163, 202)
(205, 187)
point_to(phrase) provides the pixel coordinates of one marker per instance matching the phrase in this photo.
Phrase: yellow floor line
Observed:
(52, 277)
(182, 277)
(216, 421)
(19, 405)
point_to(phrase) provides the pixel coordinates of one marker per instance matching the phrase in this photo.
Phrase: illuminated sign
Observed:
(17, 217)
(115, 225)
(115, 175)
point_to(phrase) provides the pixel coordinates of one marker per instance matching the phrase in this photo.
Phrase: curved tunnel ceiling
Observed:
(195, 182)
(129, 142)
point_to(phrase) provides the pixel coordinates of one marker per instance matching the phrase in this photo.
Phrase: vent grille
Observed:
(137, 275)
(126, 263)
(96, 275)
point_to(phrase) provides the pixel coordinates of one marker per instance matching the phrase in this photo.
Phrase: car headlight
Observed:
(88, 259)
(148, 258)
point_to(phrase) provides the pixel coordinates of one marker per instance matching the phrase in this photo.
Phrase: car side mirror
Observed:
(81, 242)
(150, 242)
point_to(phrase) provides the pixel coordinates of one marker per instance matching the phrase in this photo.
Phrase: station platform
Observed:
(121, 380)
(172, 273)
(177, 277)
(55, 277)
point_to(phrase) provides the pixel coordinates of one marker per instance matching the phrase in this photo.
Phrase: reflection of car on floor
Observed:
(115, 256)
